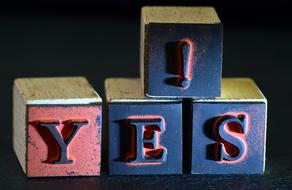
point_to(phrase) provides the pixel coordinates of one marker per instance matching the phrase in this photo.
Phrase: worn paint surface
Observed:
(162, 151)
(243, 138)
(84, 150)
(164, 70)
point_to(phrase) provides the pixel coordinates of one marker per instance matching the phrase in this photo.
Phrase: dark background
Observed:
(100, 40)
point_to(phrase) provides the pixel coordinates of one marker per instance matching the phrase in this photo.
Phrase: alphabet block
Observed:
(145, 135)
(229, 132)
(57, 126)
(181, 52)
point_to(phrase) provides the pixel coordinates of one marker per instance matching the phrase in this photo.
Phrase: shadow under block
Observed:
(145, 135)
(57, 126)
(181, 52)
(229, 132)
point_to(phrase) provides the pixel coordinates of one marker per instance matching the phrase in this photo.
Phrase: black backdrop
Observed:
(101, 39)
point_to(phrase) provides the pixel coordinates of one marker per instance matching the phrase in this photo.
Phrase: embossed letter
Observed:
(232, 130)
(63, 144)
(148, 148)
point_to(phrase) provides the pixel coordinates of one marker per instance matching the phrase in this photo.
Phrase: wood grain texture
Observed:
(59, 90)
(237, 90)
(191, 15)
(19, 128)
(128, 90)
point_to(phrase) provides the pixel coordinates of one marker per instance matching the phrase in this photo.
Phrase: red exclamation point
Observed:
(187, 49)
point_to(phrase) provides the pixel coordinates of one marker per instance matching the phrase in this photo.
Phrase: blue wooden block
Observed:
(229, 132)
(181, 52)
(145, 135)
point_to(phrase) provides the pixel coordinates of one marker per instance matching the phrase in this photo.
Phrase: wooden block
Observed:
(145, 135)
(229, 132)
(57, 126)
(181, 52)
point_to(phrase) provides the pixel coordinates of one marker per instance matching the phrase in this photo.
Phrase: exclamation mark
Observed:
(187, 49)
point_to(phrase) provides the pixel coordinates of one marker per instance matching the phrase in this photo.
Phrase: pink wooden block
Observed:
(43, 150)
(57, 127)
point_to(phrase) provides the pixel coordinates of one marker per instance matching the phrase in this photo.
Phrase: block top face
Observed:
(128, 90)
(179, 15)
(56, 90)
(237, 90)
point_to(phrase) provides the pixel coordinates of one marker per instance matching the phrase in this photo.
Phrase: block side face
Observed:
(145, 60)
(165, 68)
(57, 90)
(232, 91)
(169, 14)
(128, 90)
(143, 34)
(123, 88)
(121, 139)
(19, 128)
(83, 151)
(247, 141)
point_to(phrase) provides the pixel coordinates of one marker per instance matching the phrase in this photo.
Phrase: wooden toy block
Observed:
(145, 135)
(181, 52)
(57, 126)
(229, 132)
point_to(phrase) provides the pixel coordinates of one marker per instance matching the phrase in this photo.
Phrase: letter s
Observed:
(233, 141)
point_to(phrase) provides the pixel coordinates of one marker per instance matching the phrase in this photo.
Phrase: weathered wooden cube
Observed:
(181, 52)
(229, 132)
(145, 135)
(57, 126)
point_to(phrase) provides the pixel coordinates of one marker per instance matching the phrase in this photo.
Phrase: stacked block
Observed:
(181, 57)
(181, 52)
(57, 126)
(149, 129)
(145, 134)
(229, 132)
